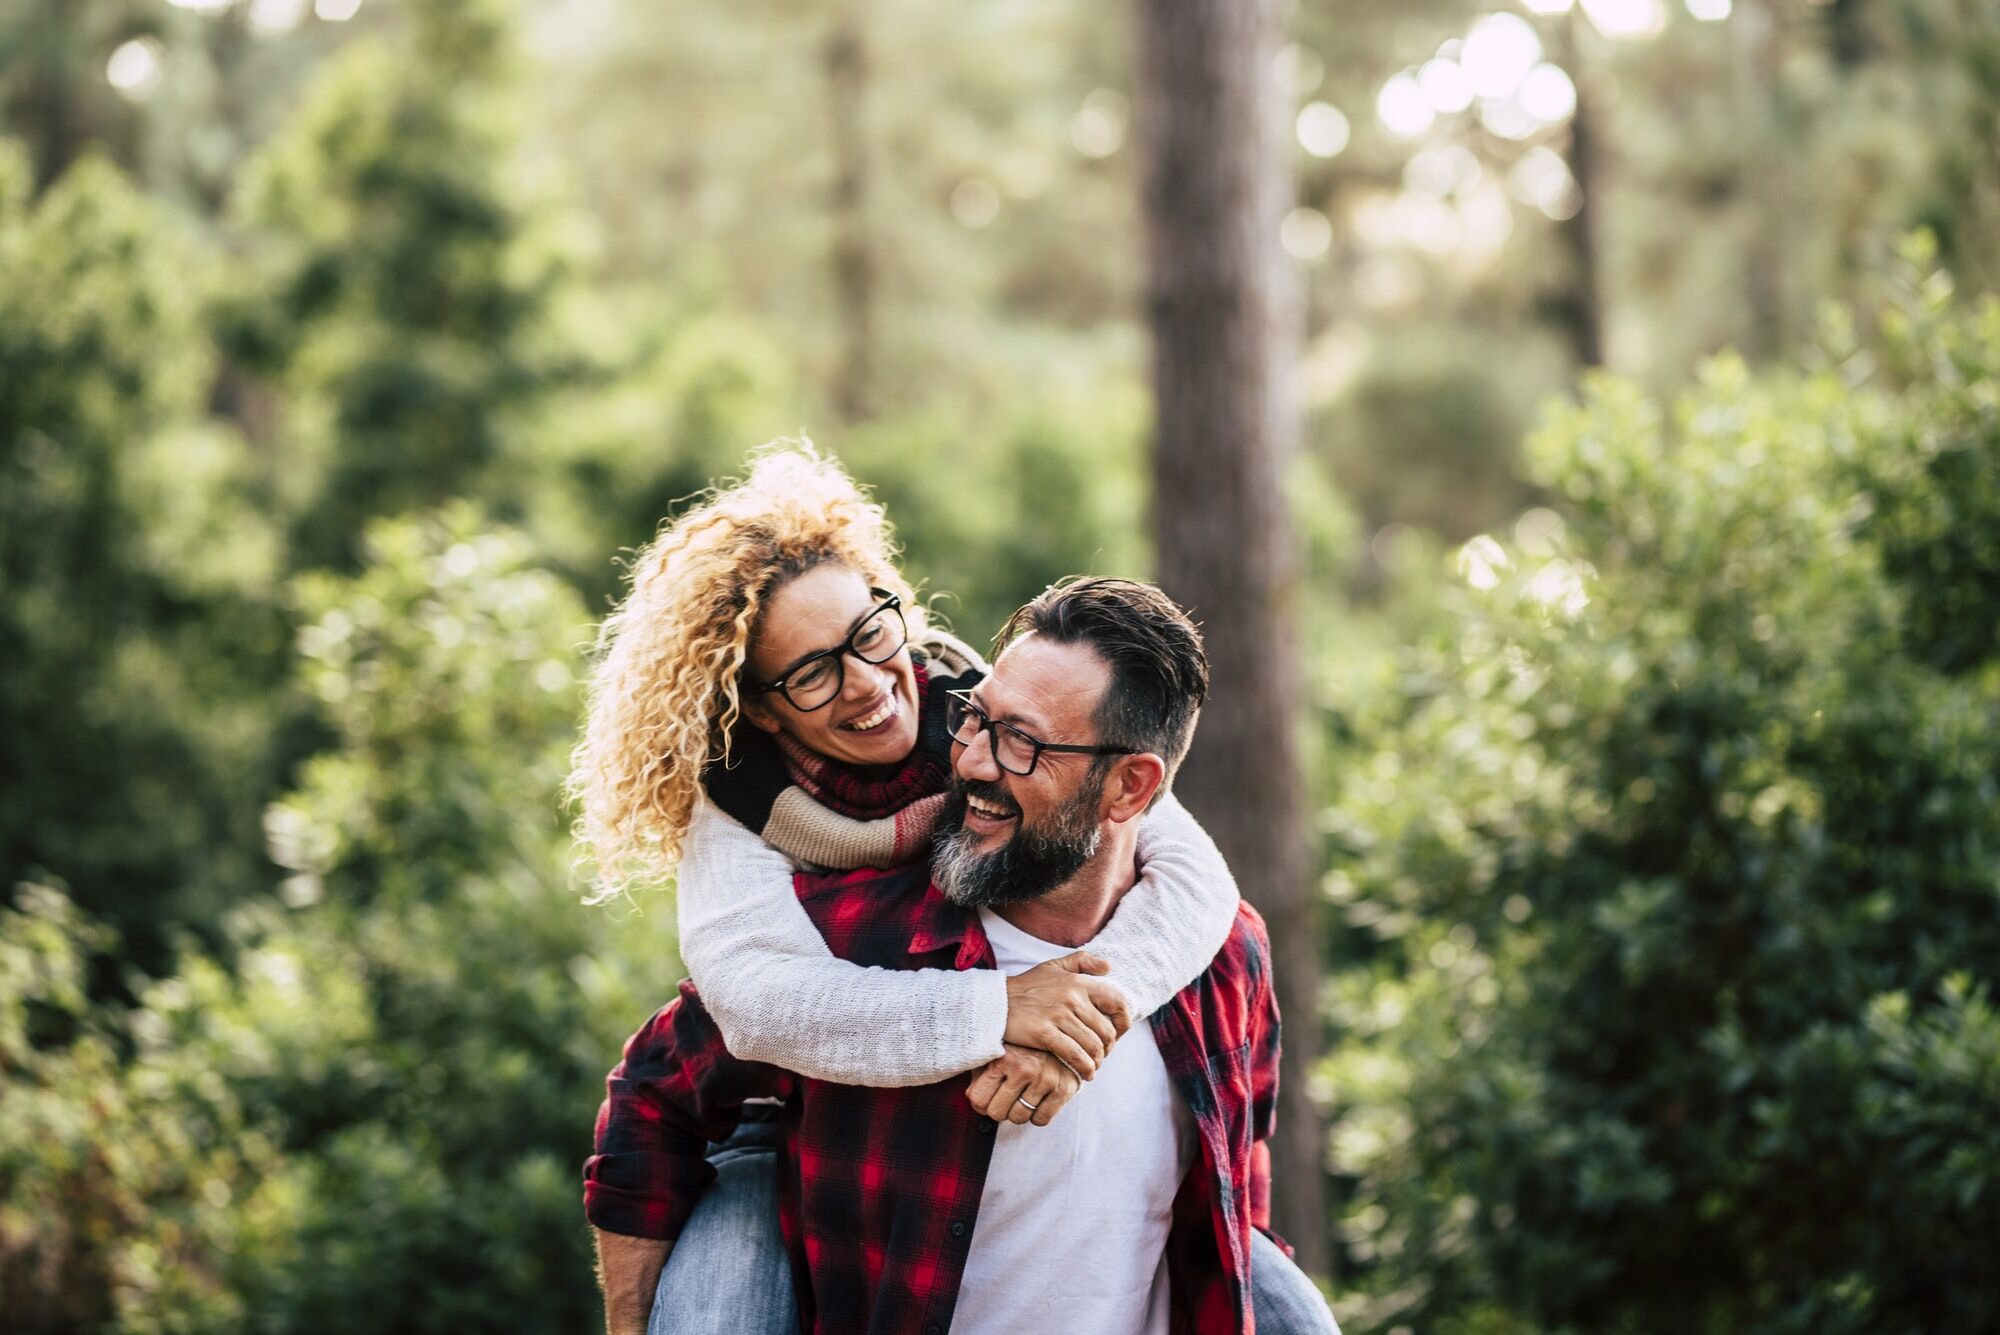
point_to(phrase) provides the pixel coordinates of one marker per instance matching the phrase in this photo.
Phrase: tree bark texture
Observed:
(846, 64)
(1761, 176)
(1583, 307)
(1223, 310)
(54, 120)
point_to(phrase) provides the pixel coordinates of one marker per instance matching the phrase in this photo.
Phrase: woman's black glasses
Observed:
(814, 682)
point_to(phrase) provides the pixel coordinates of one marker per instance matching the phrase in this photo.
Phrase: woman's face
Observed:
(873, 718)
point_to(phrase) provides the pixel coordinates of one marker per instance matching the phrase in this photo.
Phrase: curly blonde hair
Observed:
(663, 695)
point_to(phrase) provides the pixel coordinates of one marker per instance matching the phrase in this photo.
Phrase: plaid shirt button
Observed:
(958, 1229)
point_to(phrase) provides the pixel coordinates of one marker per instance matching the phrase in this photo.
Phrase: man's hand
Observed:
(629, 1269)
(1058, 1008)
(1019, 1077)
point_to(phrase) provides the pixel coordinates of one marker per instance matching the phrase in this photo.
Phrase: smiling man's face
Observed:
(1006, 838)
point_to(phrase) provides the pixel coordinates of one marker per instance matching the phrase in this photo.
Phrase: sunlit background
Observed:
(1649, 505)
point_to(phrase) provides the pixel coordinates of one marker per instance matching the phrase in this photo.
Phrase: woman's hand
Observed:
(1021, 1085)
(1060, 1009)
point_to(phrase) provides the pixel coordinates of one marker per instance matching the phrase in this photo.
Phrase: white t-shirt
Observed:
(1072, 1225)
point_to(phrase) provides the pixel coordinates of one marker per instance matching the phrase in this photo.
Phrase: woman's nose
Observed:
(864, 679)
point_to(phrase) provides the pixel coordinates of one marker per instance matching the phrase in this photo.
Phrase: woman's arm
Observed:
(780, 996)
(1169, 925)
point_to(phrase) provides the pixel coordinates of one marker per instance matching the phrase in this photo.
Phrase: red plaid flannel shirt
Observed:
(879, 1188)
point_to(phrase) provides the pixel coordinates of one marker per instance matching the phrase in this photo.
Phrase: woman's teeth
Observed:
(875, 720)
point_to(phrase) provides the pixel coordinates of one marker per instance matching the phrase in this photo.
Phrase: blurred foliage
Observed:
(1668, 849)
(1426, 435)
(369, 1114)
(137, 619)
(410, 300)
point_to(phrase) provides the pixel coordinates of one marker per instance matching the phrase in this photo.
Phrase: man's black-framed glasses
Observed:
(1013, 750)
(812, 683)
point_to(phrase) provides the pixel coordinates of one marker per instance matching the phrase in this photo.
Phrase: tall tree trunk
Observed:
(1223, 312)
(1762, 173)
(846, 57)
(1851, 38)
(1583, 309)
(55, 121)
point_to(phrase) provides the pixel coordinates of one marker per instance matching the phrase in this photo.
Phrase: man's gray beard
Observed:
(1029, 865)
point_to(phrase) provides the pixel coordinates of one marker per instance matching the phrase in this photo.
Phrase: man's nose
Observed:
(974, 759)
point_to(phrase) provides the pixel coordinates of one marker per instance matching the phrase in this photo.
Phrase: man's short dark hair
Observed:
(1159, 672)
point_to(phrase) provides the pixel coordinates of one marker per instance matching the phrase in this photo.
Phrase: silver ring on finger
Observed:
(1029, 1106)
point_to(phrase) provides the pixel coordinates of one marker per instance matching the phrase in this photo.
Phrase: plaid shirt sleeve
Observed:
(1264, 1047)
(677, 1089)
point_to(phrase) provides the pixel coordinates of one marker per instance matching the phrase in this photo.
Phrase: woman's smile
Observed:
(882, 711)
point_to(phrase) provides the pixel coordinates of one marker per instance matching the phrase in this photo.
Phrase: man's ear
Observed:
(760, 714)
(1131, 785)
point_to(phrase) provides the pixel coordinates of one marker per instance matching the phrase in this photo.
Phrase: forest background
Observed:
(1648, 505)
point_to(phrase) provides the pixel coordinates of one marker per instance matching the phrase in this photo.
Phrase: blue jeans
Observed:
(729, 1275)
(1283, 1299)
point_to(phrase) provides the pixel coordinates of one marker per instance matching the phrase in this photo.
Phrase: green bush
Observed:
(1670, 853)
(371, 1115)
(140, 644)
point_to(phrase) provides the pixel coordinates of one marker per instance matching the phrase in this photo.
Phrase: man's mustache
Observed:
(990, 793)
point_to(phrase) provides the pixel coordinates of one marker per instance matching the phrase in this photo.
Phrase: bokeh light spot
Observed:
(1306, 234)
(1543, 179)
(1482, 562)
(1507, 118)
(1445, 86)
(1403, 108)
(1298, 69)
(974, 202)
(1499, 52)
(135, 68)
(1442, 171)
(1627, 20)
(1548, 94)
(1323, 131)
(1098, 130)
(275, 17)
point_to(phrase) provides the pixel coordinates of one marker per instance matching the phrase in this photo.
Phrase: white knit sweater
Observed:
(780, 996)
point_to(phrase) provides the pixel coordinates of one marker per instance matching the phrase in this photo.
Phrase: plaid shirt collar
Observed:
(940, 925)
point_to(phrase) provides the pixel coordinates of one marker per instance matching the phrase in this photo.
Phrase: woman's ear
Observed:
(1133, 782)
(760, 714)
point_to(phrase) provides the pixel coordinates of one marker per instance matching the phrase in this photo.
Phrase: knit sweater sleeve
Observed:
(780, 996)
(1170, 924)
